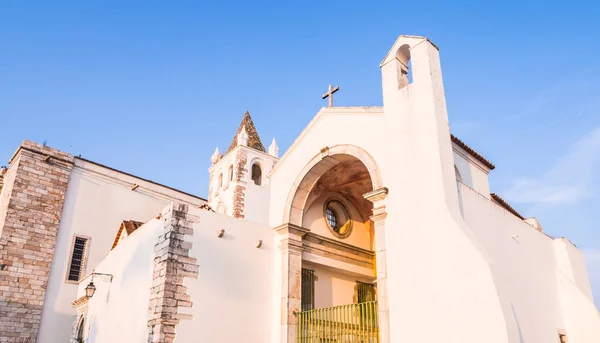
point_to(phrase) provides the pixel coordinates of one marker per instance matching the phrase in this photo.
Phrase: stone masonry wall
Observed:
(240, 188)
(39, 176)
(172, 264)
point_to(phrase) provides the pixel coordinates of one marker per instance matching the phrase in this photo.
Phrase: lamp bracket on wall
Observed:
(103, 276)
(90, 289)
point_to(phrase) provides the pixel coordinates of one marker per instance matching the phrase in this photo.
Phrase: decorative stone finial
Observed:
(215, 156)
(242, 138)
(274, 149)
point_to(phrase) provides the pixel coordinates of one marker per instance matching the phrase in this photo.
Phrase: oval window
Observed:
(332, 219)
(337, 218)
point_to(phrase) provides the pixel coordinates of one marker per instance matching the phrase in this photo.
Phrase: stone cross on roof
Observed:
(329, 94)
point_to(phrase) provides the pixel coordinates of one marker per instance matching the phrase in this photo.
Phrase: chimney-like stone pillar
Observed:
(31, 205)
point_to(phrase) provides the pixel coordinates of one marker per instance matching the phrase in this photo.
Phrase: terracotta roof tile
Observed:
(504, 204)
(472, 152)
(130, 226)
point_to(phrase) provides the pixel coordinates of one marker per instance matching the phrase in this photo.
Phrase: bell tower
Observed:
(239, 186)
(426, 236)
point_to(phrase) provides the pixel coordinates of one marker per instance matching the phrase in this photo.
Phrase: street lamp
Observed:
(90, 289)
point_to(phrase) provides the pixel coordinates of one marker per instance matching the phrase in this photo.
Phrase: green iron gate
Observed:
(356, 323)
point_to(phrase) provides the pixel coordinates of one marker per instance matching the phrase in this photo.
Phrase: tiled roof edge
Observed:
(506, 205)
(472, 152)
(141, 178)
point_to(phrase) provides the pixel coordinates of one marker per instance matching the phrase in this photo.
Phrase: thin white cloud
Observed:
(568, 181)
(540, 127)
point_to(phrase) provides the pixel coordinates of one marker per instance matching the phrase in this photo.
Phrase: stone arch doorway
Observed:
(343, 173)
(79, 333)
(339, 157)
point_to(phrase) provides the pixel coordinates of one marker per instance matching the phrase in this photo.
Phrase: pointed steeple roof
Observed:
(253, 138)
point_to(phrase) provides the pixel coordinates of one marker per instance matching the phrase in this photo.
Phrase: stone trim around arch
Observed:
(326, 159)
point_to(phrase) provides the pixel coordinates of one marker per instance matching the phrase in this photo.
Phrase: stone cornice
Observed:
(50, 153)
(377, 194)
(379, 215)
(323, 246)
(337, 244)
(289, 228)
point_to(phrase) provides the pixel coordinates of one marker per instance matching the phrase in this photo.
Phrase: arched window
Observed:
(458, 187)
(230, 172)
(256, 174)
(221, 180)
(457, 174)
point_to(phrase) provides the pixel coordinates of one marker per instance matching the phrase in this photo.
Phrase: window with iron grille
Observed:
(308, 289)
(78, 256)
(365, 292)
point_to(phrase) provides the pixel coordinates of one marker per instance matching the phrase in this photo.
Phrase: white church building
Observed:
(386, 231)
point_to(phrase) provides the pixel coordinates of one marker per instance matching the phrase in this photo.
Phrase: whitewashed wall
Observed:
(98, 199)
(526, 265)
(581, 318)
(118, 311)
(236, 293)
(472, 172)
(223, 193)
(256, 200)
(578, 268)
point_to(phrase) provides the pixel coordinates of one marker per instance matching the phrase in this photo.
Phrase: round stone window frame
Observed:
(341, 211)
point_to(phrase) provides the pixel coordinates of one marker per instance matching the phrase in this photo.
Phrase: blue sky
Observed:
(153, 87)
